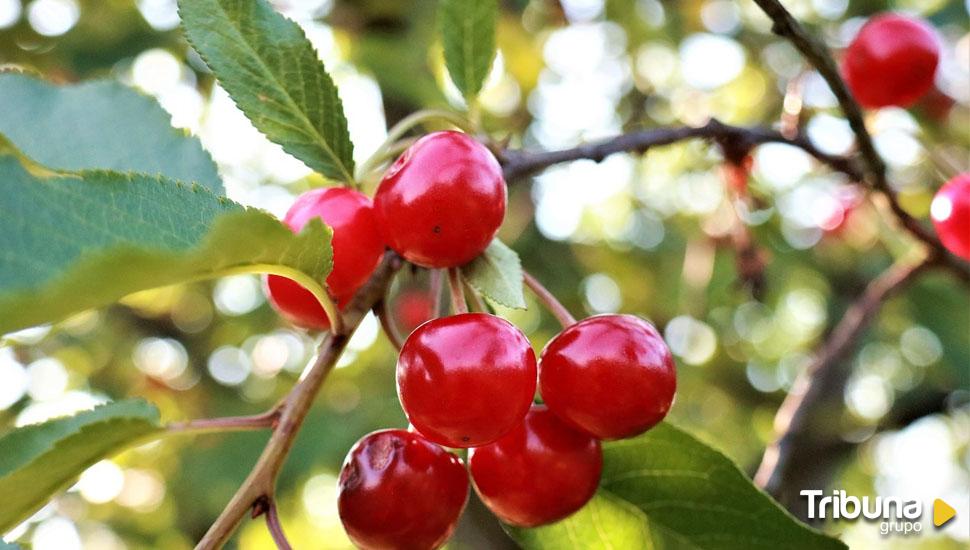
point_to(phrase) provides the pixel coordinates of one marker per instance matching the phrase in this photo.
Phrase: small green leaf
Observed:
(76, 241)
(100, 124)
(497, 275)
(40, 460)
(468, 37)
(687, 495)
(270, 69)
(605, 522)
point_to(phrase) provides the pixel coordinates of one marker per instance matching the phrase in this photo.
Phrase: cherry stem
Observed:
(383, 151)
(273, 524)
(387, 324)
(227, 424)
(476, 298)
(458, 304)
(436, 283)
(558, 310)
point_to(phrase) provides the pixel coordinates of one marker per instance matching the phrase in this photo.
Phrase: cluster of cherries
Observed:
(892, 62)
(468, 381)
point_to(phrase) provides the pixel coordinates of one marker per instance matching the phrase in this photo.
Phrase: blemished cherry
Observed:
(466, 380)
(357, 250)
(611, 376)
(950, 211)
(398, 490)
(540, 472)
(441, 203)
(892, 61)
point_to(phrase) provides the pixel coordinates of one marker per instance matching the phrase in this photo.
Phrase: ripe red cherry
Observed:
(466, 380)
(611, 376)
(892, 61)
(357, 249)
(441, 203)
(398, 490)
(950, 211)
(540, 472)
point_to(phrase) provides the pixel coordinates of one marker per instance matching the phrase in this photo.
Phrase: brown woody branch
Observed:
(818, 391)
(259, 486)
(734, 141)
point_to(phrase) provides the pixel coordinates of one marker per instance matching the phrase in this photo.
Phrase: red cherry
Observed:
(357, 249)
(540, 472)
(950, 211)
(441, 203)
(611, 376)
(466, 380)
(892, 61)
(398, 490)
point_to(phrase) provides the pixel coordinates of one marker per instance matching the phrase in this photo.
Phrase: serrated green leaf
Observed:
(688, 496)
(40, 460)
(468, 37)
(76, 241)
(270, 69)
(497, 275)
(100, 124)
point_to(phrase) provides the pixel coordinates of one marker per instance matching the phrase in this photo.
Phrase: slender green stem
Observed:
(226, 424)
(554, 306)
(458, 304)
(436, 285)
(385, 150)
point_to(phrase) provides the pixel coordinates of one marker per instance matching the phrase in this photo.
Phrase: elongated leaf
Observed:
(497, 275)
(271, 71)
(75, 241)
(688, 495)
(40, 460)
(99, 125)
(468, 37)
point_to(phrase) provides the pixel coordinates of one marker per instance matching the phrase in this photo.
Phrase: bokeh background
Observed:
(648, 235)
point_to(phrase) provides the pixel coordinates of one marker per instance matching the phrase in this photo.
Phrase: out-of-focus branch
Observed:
(261, 482)
(822, 382)
(735, 141)
(815, 52)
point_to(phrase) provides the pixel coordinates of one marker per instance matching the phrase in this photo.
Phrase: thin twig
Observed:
(274, 525)
(261, 481)
(554, 306)
(735, 140)
(458, 303)
(823, 377)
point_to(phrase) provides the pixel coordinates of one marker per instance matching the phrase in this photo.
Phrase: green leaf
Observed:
(40, 460)
(688, 495)
(605, 522)
(468, 37)
(497, 275)
(100, 124)
(268, 67)
(76, 241)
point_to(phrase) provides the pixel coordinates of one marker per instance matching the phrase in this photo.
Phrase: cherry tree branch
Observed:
(735, 141)
(261, 482)
(823, 382)
(273, 524)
